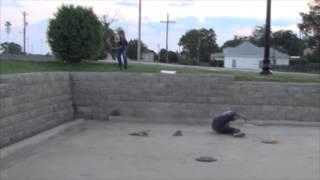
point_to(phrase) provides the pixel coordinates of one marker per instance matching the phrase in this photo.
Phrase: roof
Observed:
(247, 49)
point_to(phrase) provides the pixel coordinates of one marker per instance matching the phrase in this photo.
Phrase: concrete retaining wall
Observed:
(187, 98)
(32, 103)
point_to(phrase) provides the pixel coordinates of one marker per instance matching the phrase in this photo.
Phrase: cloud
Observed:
(246, 31)
(128, 3)
(226, 17)
(292, 27)
(180, 3)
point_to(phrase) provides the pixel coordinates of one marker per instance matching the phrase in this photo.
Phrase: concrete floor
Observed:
(103, 150)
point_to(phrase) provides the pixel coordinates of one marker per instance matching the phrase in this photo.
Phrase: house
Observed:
(148, 56)
(248, 56)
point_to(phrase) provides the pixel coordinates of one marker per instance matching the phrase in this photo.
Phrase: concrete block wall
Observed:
(33, 102)
(189, 98)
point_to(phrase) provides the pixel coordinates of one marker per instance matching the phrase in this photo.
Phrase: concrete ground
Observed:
(95, 150)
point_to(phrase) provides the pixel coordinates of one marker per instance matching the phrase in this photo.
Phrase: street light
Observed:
(266, 66)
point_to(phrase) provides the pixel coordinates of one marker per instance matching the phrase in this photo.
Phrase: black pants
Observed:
(227, 130)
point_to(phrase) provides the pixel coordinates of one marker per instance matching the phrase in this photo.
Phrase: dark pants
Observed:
(227, 130)
(122, 52)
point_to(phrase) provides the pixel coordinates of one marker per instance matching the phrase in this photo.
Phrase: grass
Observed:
(13, 67)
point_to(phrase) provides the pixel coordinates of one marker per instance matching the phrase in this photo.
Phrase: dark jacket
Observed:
(223, 120)
(123, 43)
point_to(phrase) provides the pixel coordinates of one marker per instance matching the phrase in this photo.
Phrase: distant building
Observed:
(148, 56)
(216, 59)
(248, 56)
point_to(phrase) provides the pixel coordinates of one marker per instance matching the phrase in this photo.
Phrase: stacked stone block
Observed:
(33, 103)
(190, 98)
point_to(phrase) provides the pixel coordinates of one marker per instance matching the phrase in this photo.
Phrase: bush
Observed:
(187, 60)
(314, 57)
(132, 49)
(75, 34)
(173, 57)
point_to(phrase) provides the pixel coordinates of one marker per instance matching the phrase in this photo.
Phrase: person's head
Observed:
(121, 33)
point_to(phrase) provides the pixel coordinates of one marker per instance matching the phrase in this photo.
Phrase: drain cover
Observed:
(205, 159)
(270, 141)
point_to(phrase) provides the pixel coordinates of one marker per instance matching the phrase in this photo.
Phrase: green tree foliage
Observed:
(310, 26)
(132, 49)
(11, 48)
(173, 57)
(108, 35)
(237, 40)
(162, 55)
(288, 42)
(75, 33)
(283, 40)
(257, 36)
(200, 42)
(187, 60)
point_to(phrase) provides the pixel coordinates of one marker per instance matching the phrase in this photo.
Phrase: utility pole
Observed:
(0, 19)
(139, 34)
(167, 34)
(24, 31)
(8, 30)
(266, 66)
(199, 44)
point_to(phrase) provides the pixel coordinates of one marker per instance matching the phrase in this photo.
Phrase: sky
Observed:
(226, 17)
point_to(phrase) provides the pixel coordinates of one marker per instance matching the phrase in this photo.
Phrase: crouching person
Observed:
(220, 124)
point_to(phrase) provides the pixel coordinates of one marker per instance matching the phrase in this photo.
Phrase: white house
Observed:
(248, 56)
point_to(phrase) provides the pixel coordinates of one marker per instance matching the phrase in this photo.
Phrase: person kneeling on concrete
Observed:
(220, 124)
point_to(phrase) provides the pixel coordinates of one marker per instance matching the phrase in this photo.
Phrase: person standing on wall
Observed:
(122, 49)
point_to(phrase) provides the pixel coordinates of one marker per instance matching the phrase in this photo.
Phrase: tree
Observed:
(286, 40)
(173, 57)
(132, 49)
(310, 26)
(75, 33)
(257, 36)
(10, 48)
(108, 33)
(237, 40)
(199, 43)
(162, 55)
(283, 40)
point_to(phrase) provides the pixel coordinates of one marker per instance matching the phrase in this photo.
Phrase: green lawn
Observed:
(12, 67)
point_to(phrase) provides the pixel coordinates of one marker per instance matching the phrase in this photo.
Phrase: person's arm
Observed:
(242, 117)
